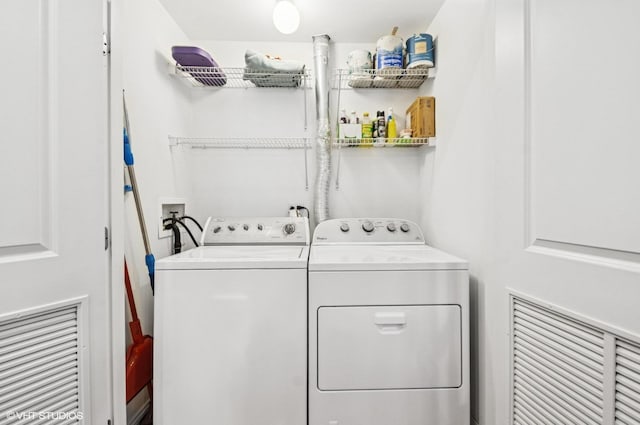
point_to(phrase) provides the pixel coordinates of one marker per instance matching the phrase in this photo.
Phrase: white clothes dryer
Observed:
(388, 327)
(231, 326)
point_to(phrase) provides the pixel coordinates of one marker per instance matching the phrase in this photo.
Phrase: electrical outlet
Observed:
(165, 207)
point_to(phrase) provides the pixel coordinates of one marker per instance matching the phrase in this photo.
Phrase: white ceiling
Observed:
(344, 20)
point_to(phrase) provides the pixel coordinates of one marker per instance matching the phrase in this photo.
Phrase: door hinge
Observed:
(106, 238)
(106, 48)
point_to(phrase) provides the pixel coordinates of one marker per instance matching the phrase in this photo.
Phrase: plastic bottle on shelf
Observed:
(367, 130)
(343, 117)
(367, 127)
(382, 129)
(354, 118)
(392, 131)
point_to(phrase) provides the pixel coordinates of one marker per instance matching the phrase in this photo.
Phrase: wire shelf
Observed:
(382, 143)
(240, 143)
(341, 144)
(211, 77)
(248, 143)
(380, 78)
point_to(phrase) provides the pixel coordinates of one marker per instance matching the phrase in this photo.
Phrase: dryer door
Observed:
(389, 347)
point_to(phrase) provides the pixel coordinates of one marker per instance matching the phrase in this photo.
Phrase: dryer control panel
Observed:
(377, 231)
(256, 231)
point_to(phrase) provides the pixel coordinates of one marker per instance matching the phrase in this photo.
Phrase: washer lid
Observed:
(382, 257)
(237, 257)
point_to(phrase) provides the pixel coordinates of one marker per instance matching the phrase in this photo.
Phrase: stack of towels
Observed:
(265, 71)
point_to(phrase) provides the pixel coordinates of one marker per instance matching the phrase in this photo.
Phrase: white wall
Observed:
(241, 182)
(373, 182)
(456, 176)
(156, 108)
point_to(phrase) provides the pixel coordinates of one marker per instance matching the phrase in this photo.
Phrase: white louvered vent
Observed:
(558, 368)
(39, 367)
(627, 383)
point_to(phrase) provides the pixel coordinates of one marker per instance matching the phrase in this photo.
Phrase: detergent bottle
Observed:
(392, 131)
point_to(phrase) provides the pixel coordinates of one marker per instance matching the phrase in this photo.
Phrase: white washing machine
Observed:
(388, 327)
(231, 326)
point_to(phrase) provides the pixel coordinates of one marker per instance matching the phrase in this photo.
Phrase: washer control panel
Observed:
(368, 230)
(256, 231)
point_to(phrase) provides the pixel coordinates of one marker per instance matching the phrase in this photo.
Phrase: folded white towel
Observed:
(264, 71)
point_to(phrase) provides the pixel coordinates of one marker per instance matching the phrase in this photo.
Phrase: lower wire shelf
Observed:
(340, 144)
(383, 143)
(241, 142)
(289, 143)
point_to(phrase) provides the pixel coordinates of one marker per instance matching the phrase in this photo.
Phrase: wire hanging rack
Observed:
(249, 143)
(218, 77)
(380, 78)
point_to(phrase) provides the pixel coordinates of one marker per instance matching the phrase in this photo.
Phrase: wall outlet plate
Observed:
(165, 206)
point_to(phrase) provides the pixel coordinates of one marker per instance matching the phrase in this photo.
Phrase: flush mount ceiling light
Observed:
(286, 17)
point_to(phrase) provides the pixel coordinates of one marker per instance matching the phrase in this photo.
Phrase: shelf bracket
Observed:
(304, 99)
(338, 167)
(306, 165)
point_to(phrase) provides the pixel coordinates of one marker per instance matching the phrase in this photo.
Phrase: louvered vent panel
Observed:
(39, 366)
(627, 383)
(558, 368)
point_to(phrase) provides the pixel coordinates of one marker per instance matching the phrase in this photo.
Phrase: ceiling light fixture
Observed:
(286, 17)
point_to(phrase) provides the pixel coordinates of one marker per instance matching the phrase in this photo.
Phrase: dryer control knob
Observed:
(404, 227)
(391, 227)
(245, 227)
(260, 227)
(231, 227)
(289, 228)
(368, 226)
(217, 229)
(344, 227)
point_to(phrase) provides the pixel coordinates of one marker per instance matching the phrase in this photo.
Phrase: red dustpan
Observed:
(139, 364)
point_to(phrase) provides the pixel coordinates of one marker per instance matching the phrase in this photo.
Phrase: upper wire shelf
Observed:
(380, 78)
(213, 77)
(241, 142)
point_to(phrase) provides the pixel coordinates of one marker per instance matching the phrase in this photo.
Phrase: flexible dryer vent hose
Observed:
(323, 140)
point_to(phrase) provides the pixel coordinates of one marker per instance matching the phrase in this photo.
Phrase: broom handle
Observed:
(132, 302)
(136, 197)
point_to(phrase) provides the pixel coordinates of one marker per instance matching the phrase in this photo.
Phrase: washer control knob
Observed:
(368, 226)
(231, 227)
(391, 227)
(217, 229)
(260, 227)
(344, 227)
(404, 227)
(245, 227)
(289, 228)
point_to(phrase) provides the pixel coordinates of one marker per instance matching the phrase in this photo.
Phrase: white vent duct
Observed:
(323, 141)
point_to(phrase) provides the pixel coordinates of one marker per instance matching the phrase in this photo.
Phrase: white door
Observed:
(54, 312)
(567, 214)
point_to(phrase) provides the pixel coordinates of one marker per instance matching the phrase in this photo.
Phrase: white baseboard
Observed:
(137, 416)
